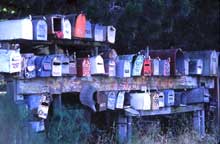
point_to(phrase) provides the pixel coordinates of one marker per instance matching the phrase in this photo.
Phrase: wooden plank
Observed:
(168, 110)
(57, 85)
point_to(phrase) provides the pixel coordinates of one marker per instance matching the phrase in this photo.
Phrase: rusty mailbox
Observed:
(10, 61)
(29, 68)
(176, 59)
(195, 66)
(137, 65)
(164, 67)
(39, 29)
(210, 61)
(169, 97)
(83, 67)
(101, 101)
(154, 100)
(110, 67)
(72, 64)
(55, 25)
(111, 34)
(97, 65)
(99, 33)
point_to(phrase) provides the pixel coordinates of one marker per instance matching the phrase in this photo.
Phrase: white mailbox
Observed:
(161, 99)
(67, 29)
(111, 34)
(99, 33)
(141, 101)
(10, 61)
(39, 29)
(97, 65)
(155, 67)
(56, 66)
(16, 29)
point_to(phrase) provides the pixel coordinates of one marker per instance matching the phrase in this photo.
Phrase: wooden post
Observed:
(218, 105)
(199, 122)
(122, 128)
(57, 104)
(129, 125)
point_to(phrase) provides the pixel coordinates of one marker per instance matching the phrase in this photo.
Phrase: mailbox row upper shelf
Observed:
(163, 63)
(58, 26)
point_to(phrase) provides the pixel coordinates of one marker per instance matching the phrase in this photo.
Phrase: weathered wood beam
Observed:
(102, 83)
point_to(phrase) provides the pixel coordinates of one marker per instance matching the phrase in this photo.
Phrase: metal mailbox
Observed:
(97, 65)
(110, 67)
(55, 25)
(111, 34)
(195, 66)
(111, 103)
(123, 68)
(65, 60)
(210, 61)
(169, 97)
(33, 101)
(120, 100)
(88, 34)
(56, 66)
(164, 67)
(43, 108)
(141, 101)
(186, 66)
(39, 29)
(154, 100)
(10, 61)
(44, 66)
(161, 99)
(83, 67)
(176, 59)
(101, 101)
(72, 65)
(147, 68)
(29, 68)
(16, 29)
(80, 26)
(99, 33)
(137, 65)
(155, 67)
(37, 126)
(72, 19)
(67, 29)
(198, 95)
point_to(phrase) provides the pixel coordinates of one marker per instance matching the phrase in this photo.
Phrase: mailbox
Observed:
(210, 61)
(186, 67)
(56, 66)
(16, 29)
(137, 65)
(72, 19)
(195, 66)
(154, 100)
(10, 61)
(55, 25)
(37, 126)
(198, 95)
(43, 107)
(83, 67)
(164, 67)
(147, 68)
(39, 29)
(176, 59)
(101, 101)
(112, 95)
(29, 65)
(88, 34)
(110, 67)
(120, 100)
(99, 33)
(43, 66)
(155, 67)
(33, 101)
(72, 65)
(67, 29)
(169, 97)
(65, 60)
(97, 65)
(161, 99)
(123, 68)
(80, 26)
(111, 34)
(141, 101)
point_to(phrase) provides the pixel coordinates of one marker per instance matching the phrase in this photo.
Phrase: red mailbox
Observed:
(147, 68)
(83, 67)
(80, 26)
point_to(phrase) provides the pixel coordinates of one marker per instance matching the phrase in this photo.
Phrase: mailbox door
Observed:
(111, 100)
(111, 34)
(138, 64)
(56, 67)
(30, 71)
(45, 67)
(65, 65)
(110, 67)
(83, 67)
(39, 29)
(213, 63)
(169, 97)
(99, 33)
(80, 26)
(72, 66)
(155, 67)
(15, 62)
(164, 68)
(161, 99)
(146, 70)
(154, 101)
(67, 29)
(195, 66)
(88, 30)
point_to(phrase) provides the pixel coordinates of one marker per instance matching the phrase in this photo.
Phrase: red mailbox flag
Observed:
(80, 26)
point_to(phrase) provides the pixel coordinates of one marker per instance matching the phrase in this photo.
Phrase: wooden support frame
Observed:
(199, 122)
